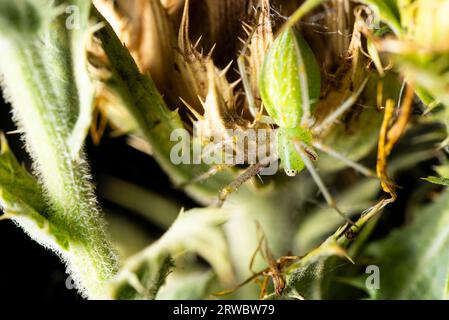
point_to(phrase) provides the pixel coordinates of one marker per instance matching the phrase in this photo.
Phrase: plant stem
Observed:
(44, 82)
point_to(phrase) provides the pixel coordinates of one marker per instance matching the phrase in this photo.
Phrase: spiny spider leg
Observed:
(252, 171)
(249, 173)
(335, 154)
(213, 170)
(330, 119)
(300, 147)
(258, 249)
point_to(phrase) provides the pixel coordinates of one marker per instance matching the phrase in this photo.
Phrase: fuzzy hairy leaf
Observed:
(197, 231)
(414, 261)
(23, 201)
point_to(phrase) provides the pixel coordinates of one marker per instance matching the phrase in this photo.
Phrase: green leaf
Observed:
(427, 99)
(323, 221)
(438, 180)
(145, 280)
(360, 283)
(195, 231)
(23, 201)
(139, 200)
(429, 71)
(193, 285)
(414, 261)
(305, 276)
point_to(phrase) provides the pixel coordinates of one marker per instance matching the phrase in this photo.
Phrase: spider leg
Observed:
(263, 287)
(319, 182)
(230, 291)
(348, 103)
(249, 173)
(335, 154)
(258, 249)
(213, 170)
(286, 259)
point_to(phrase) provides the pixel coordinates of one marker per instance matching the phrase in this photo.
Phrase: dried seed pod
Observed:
(260, 42)
(146, 30)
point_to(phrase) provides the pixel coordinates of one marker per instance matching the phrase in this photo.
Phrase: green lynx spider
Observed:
(289, 84)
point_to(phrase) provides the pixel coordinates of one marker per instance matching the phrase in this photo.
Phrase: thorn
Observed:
(346, 255)
(247, 25)
(225, 70)
(241, 40)
(197, 42)
(211, 50)
(97, 27)
(18, 131)
(203, 103)
(191, 118)
(247, 28)
(192, 110)
(235, 83)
